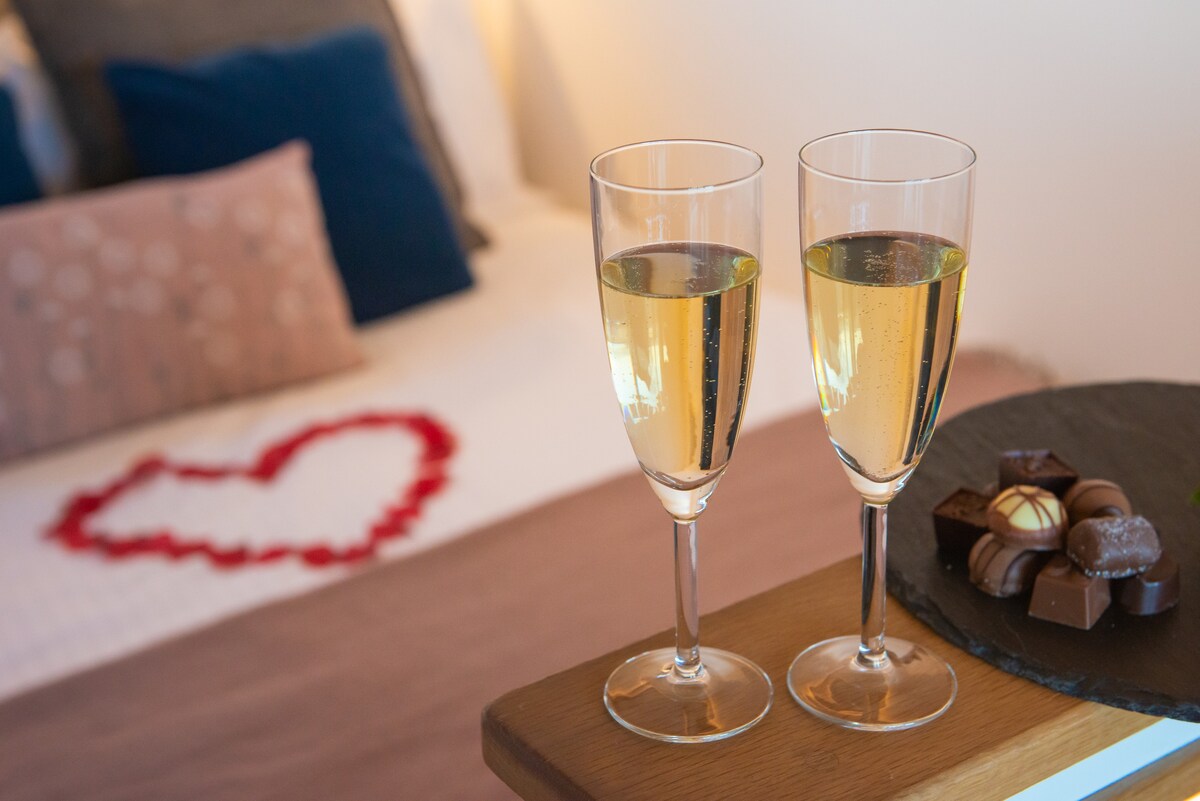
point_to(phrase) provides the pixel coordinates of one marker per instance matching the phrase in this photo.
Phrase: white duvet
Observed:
(516, 370)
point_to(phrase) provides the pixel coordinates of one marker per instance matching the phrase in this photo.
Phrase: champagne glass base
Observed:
(728, 696)
(913, 687)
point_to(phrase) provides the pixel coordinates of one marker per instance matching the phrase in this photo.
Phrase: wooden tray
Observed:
(1145, 437)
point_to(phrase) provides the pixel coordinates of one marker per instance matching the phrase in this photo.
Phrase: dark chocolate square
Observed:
(959, 520)
(1036, 468)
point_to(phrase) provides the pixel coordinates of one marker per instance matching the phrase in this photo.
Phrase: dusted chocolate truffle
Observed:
(960, 520)
(1113, 547)
(1154, 591)
(1062, 594)
(1001, 570)
(1095, 497)
(1028, 517)
(1036, 469)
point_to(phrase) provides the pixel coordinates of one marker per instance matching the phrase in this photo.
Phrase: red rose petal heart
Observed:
(437, 445)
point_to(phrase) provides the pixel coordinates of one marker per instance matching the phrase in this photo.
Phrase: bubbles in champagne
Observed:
(680, 320)
(883, 311)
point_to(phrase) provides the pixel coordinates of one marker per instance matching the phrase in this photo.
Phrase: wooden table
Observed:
(554, 739)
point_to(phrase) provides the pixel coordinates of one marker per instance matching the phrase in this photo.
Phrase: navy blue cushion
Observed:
(391, 234)
(17, 183)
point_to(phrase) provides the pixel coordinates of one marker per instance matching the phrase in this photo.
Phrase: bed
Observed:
(514, 369)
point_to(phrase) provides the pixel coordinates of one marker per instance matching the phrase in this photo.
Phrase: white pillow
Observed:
(48, 146)
(463, 96)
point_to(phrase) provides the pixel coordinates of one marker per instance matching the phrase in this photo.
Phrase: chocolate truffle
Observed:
(1113, 547)
(1002, 570)
(960, 520)
(1036, 469)
(1028, 517)
(1154, 591)
(1095, 497)
(1063, 594)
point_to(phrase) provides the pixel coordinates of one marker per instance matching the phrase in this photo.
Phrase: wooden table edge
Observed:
(1001, 772)
(1084, 729)
(504, 753)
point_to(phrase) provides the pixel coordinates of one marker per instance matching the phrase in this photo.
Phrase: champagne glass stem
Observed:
(871, 650)
(687, 602)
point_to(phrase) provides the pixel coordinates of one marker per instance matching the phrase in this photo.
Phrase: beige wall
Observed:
(1086, 116)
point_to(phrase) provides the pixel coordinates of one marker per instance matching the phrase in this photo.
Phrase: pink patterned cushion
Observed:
(156, 296)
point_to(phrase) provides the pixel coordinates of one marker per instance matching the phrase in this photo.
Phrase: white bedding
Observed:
(515, 368)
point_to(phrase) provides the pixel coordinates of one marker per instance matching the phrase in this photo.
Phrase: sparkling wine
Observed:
(883, 312)
(679, 318)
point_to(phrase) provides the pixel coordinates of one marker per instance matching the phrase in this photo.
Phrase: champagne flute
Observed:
(677, 232)
(885, 226)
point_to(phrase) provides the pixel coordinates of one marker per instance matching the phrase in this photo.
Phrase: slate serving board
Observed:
(1145, 437)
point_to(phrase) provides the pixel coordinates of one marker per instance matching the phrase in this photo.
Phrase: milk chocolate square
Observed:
(959, 521)
(1036, 468)
(1063, 594)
